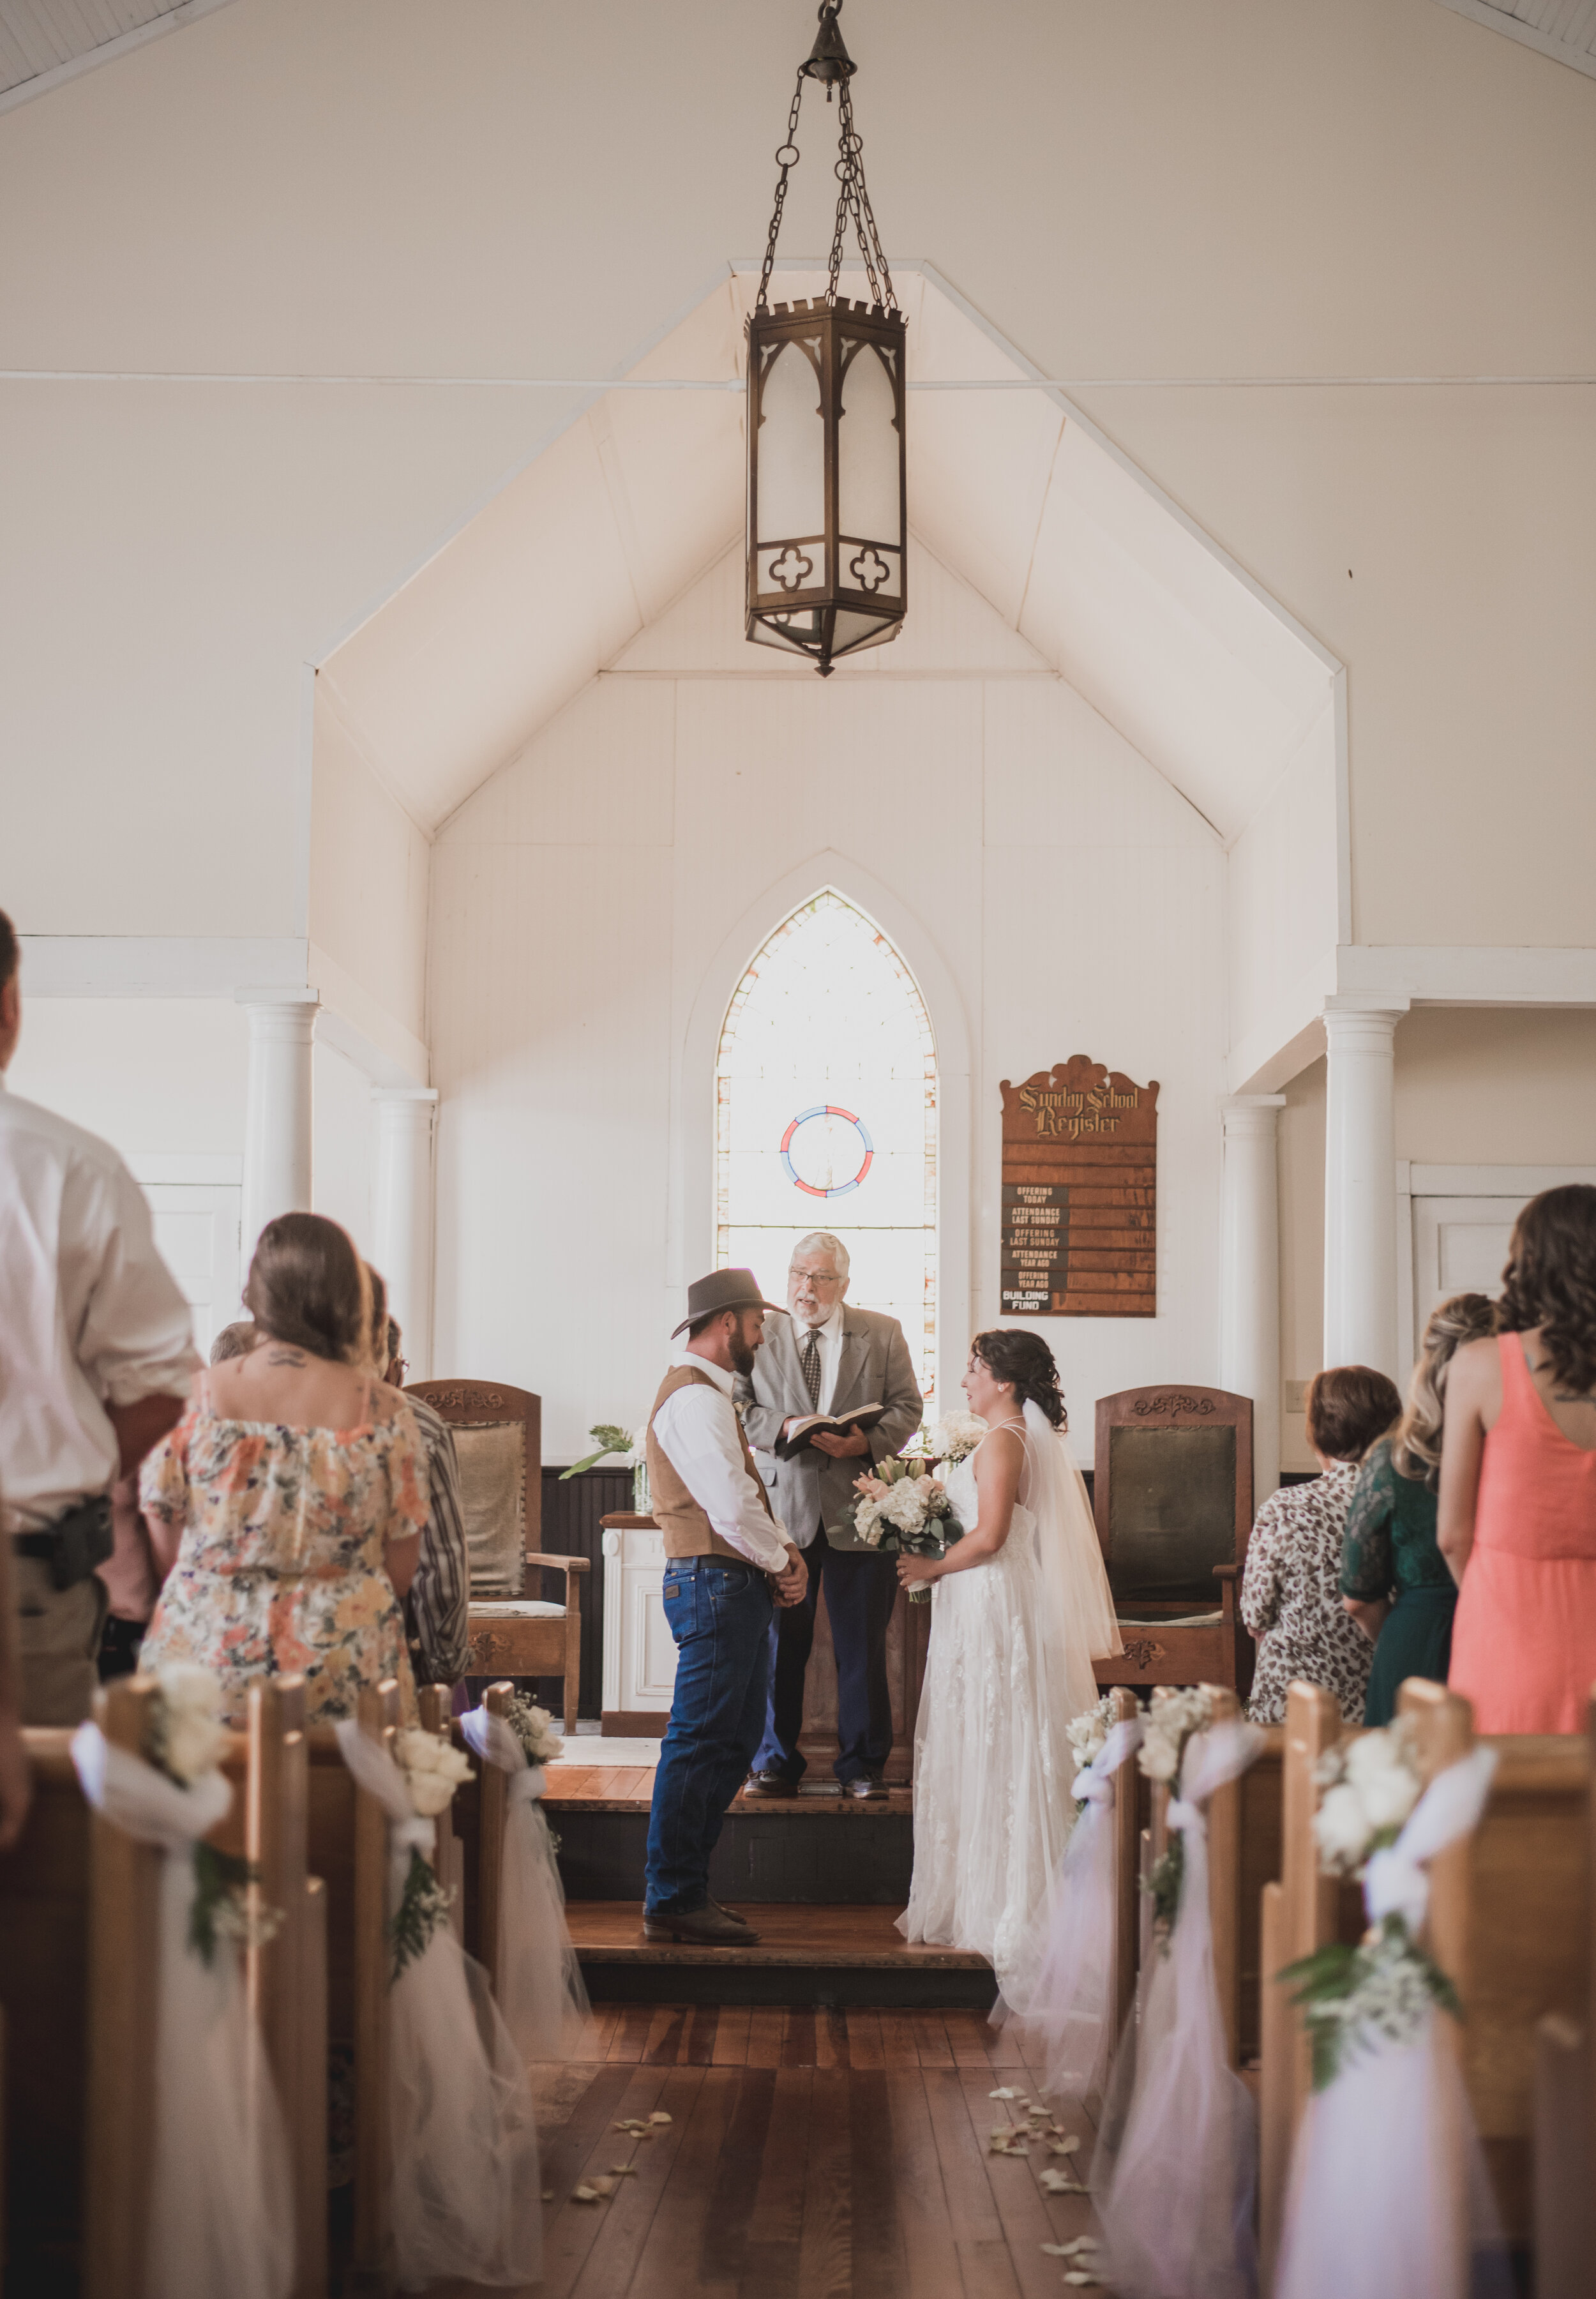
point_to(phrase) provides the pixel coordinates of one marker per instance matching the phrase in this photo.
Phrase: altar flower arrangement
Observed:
(433, 1769)
(953, 1437)
(1173, 1713)
(184, 1738)
(1353, 1998)
(901, 1508)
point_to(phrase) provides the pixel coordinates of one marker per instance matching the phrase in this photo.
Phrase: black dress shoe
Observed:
(770, 1784)
(859, 1789)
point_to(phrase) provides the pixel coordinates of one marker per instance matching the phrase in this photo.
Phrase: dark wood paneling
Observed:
(571, 1511)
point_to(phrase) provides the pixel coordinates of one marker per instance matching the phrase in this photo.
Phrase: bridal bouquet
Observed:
(902, 1508)
(1353, 1997)
(1172, 1715)
(184, 1738)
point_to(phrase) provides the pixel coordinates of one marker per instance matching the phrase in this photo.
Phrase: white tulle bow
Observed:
(1094, 1782)
(466, 2189)
(221, 2204)
(1396, 1882)
(540, 1987)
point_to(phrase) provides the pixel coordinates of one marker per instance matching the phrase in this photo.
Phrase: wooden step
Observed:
(842, 1954)
(630, 1788)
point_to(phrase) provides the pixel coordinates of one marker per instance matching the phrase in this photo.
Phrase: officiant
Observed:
(827, 1358)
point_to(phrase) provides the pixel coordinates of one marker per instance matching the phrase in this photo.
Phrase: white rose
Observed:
(1389, 1790)
(1342, 1829)
(1160, 1756)
(194, 1743)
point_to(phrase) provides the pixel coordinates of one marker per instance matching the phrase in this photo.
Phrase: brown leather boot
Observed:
(709, 1927)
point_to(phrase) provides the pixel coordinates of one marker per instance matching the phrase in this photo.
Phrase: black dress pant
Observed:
(861, 1591)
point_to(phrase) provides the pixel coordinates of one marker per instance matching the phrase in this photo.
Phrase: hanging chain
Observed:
(786, 159)
(854, 200)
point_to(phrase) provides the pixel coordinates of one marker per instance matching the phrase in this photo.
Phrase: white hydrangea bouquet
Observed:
(184, 1738)
(534, 1728)
(1352, 1998)
(951, 1438)
(433, 1769)
(1172, 1715)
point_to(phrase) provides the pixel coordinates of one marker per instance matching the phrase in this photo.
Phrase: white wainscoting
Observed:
(639, 1650)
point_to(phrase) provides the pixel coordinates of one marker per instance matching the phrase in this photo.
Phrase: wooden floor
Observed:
(810, 2154)
(611, 1932)
(630, 1788)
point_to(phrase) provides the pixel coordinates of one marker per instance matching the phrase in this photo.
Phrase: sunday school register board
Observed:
(1080, 1194)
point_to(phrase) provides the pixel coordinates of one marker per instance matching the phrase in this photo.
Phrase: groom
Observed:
(824, 1358)
(727, 1562)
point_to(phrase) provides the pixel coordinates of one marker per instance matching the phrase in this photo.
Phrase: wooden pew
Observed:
(453, 1826)
(1127, 1870)
(285, 1975)
(1509, 1923)
(1304, 1911)
(348, 1849)
(1564, 2116)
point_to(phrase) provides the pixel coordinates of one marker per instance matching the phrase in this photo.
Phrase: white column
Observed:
(1360, 1209)
(402, 1213)
(277, 1123)
(1249, 1274)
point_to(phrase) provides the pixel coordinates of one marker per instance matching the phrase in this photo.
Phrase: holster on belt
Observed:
(74, 1544)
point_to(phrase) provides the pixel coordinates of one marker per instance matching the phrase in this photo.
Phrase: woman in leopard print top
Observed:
(1291, 1590)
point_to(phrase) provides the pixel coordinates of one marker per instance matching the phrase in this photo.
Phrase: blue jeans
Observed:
(719, 1614)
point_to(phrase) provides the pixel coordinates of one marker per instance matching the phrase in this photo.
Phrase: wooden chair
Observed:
(348, 1848)
(514, 1632)
(1304, 1911)
(1509, 1923)
(1172, 1497)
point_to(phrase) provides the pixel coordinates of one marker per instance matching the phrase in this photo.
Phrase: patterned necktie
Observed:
(810, 1363)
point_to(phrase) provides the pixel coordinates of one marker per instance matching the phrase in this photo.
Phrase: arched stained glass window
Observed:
(825, 1107)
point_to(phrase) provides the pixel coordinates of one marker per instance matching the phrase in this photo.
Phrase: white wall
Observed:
(161, 1076)
(344, 1143)
(593, 903)
(369, 868)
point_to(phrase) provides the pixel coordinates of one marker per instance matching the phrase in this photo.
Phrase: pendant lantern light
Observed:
(828, 513)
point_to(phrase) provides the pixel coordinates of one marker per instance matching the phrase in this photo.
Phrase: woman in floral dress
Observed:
(297, 1482)
(1291, 1590)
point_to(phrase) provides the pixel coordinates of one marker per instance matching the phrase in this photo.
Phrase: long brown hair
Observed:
(1551, 1281)
(308, 1287)
(1416, 1441)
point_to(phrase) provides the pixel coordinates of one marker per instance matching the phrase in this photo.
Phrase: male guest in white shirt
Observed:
(96, 1355)
(727, 1563)
(830, 1356)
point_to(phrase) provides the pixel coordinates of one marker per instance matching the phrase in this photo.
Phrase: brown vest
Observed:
(686, 1526)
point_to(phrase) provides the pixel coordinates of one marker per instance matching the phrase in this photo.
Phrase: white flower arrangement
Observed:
(953, 1436)
(1088, 1736)
(901, 1508)
(184, 1737)
(433, 1769)
(534, 1728)
(1353, 1997)
(1172, 1715)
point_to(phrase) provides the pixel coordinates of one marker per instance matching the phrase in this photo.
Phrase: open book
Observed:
(834, 1424)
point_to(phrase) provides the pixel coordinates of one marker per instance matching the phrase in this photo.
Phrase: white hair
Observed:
(823, 1241)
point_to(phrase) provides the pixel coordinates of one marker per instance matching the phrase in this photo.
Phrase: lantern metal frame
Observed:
(829, 594)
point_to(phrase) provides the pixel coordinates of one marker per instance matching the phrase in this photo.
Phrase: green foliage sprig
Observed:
(423, 1905)
(611, 1439)
(1352, 1998)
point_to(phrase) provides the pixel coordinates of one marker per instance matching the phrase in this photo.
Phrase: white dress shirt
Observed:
(697, 1429)
(90, 1313)
(829, 1333)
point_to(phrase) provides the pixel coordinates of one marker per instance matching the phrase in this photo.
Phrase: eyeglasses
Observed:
(813, 1275)
(403, 1364)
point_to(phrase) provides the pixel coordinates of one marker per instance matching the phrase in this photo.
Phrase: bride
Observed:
(1021, 1610)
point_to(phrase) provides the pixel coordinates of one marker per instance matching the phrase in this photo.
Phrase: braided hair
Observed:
(1023, 1359)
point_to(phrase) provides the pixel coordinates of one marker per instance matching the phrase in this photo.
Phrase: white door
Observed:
(197, 1230)
(1463, 1218)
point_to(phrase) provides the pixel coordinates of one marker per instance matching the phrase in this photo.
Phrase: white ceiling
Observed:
(1100, 578)
(44, 42)
(1563, 29)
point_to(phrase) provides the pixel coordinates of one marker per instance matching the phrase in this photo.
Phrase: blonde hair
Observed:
(1416, 1441)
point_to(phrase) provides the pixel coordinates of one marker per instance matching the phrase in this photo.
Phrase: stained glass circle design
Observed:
(826, 1150)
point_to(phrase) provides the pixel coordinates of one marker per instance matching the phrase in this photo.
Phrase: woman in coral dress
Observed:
(298, 1483)
(1517, 1519)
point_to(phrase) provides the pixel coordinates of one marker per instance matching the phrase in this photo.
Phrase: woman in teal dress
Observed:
(1394, 1580)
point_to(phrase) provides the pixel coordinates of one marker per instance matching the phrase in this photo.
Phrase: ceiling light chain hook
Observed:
(830, 63)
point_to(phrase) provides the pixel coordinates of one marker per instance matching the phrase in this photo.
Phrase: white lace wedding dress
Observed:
(1010, 1666)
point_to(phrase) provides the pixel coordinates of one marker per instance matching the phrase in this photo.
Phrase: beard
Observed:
(741, 1349)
